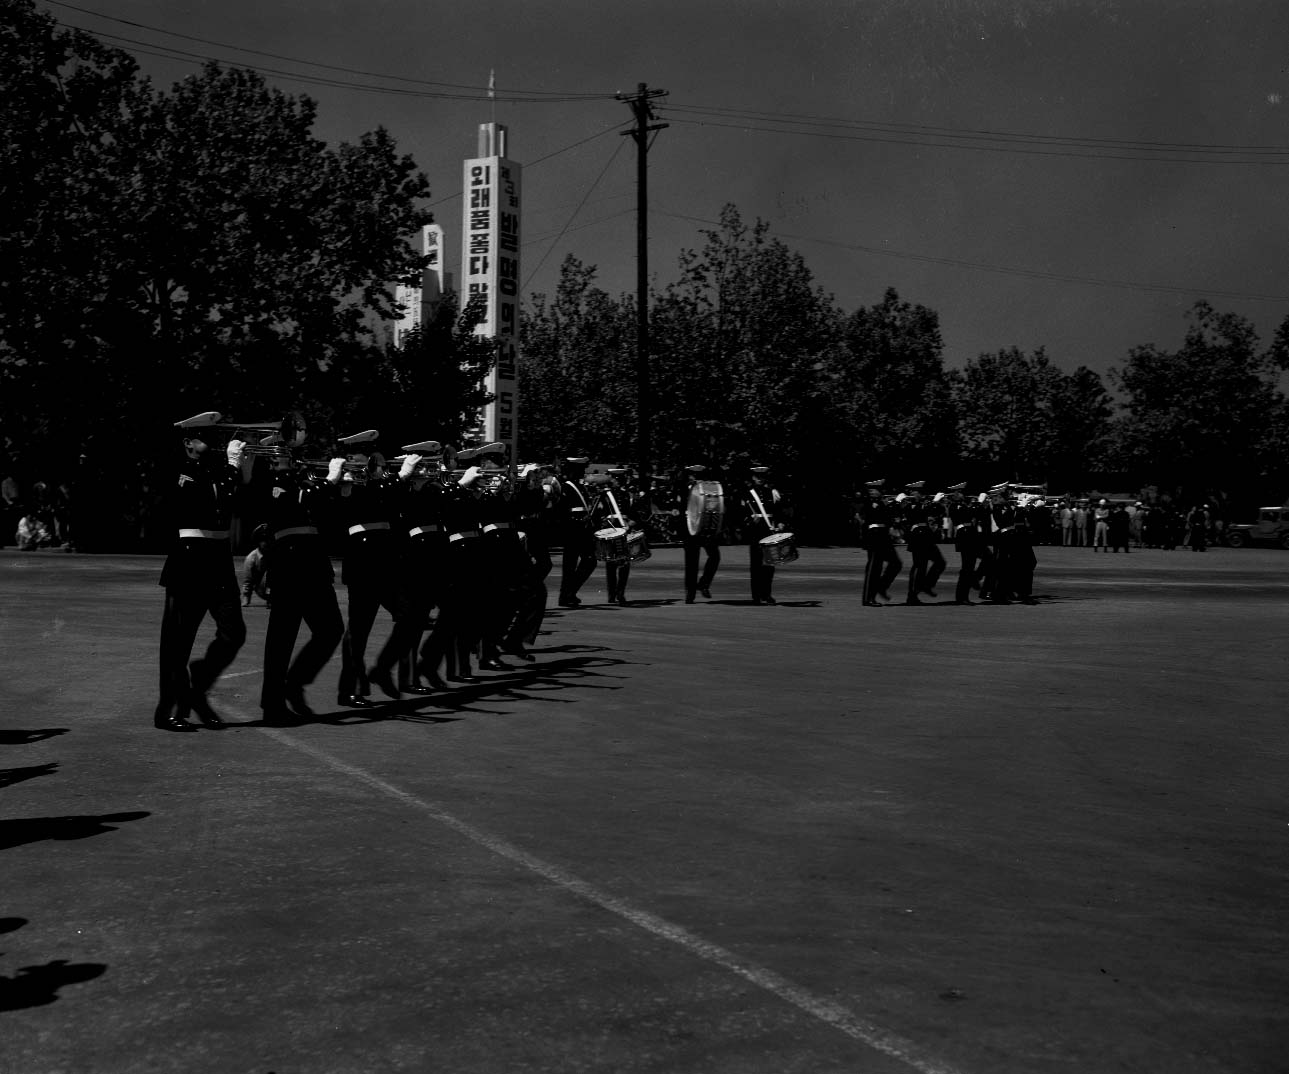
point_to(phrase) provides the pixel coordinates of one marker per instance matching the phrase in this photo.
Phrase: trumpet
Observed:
(425, 467)
(488, 480)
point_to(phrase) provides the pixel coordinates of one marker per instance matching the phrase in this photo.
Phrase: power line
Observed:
(565, 228)
(335, 83)
(308, 63)
(1030, 274)
(981, 148)
(967, 132)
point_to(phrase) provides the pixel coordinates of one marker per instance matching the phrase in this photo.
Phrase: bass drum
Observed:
(706, 509)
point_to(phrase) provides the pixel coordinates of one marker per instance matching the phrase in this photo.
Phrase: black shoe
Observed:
(519, 652)
(296, 703)
(431, 677)
(883, 594)
(354, 701)
(757, 600)
(706, 591)
(383, 678)
(689, 598)
(413, 688)
(493, 665)
(164, 719)
(208, 716)
(931, 593)
(913, 600)
(968, 603)
(768, 600)
(872, 604)
(570, 602)
(621, 602)
(462, 678)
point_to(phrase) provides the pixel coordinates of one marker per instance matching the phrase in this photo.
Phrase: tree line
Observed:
(168, 251)
(752, 361)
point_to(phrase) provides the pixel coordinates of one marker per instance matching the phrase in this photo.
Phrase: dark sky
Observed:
(1070, 175)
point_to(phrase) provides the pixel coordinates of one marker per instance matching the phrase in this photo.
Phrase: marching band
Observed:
(455, 546)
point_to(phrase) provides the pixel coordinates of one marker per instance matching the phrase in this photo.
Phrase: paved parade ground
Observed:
(718, 838)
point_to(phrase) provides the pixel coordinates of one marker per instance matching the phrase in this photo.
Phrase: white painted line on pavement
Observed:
(239, 674)
(816, 1006)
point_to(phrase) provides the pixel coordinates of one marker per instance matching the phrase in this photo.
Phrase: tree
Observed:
(577, 376)
(169, 252)
(891, 391)
(1006, 405)
(1203, 418)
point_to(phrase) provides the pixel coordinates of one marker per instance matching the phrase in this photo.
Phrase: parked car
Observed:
(1272, 527)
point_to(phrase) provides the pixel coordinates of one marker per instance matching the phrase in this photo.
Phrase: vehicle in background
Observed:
(1272, 527)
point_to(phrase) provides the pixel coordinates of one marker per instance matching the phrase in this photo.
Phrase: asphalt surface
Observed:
(814, 837)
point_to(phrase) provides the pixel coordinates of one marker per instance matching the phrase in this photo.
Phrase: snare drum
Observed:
(778, 548)
(706, 509)
(637, 546)
(611, 545)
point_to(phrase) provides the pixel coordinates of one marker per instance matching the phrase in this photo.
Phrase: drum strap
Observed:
(761, 507)
(617, 511)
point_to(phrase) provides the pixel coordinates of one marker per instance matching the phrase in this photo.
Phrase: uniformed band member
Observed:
(970, 544)
(369, 508)
(425, 553)
(691, 543)
(533, 498)
(762, 506)
(574, 510)
(619, 506)
(921, 535)
(503, 554)
(459, 625)
(199, 576)
(296, 512)
(883, 565)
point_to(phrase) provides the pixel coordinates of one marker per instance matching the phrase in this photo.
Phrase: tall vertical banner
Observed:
(421, 304)
(490, 268)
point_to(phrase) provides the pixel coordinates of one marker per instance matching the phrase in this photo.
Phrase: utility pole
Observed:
(641, 107)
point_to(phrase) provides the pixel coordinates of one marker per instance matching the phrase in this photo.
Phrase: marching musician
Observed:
(296, 515)
(534, 494)
(921, 535)
(969, 541)
(883, 565)
(426, 552)
(619, 507)
(577, 531)
(501, 552)
(369, 509)
(762, 506)
(458, 626)
(692, 543)
(199, 576)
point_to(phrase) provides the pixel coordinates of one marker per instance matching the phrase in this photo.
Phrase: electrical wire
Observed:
(565, 228)
(967, 132)
(308, 63)
(980, 148)
(1029, 274)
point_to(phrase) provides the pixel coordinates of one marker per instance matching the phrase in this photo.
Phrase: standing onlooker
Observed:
(1067, 525)
(1197, 521)
(1120, 526)
(1101, 522)
(1080, 525)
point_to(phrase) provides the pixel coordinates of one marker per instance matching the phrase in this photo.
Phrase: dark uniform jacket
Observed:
(201, 512)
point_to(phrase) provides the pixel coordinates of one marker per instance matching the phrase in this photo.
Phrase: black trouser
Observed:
(760, 572)
(305, 593)
(966, 575)
(692, 546)
(927, 564)
(373, 581)
(883, 564)
(503, 557)
(186, 606)
(460, 621)
(615, 579)
(578, 563)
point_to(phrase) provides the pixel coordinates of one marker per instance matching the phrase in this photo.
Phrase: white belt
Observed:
(211, 535)
(578, 510)
(364, 527)
(296, 531)
(463, 535)
(431, 528)
(496, 526)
